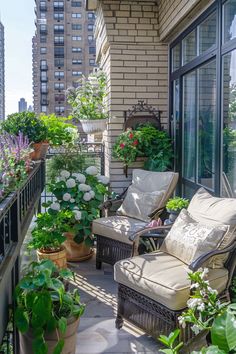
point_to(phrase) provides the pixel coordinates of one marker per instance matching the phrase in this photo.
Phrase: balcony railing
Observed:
(16, 213)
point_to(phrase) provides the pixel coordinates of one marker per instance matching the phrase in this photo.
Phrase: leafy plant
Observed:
(127, 146)
(44, 305)
(47, 235)
(87, 100)
(177, 203)
(59, 131)
(28, 124)
(170, 342)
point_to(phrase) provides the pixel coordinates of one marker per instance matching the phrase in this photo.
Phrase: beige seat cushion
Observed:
(163, 278)
(117, 227)
(188, 239)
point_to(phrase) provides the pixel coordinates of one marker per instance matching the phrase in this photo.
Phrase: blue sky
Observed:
(18, 17)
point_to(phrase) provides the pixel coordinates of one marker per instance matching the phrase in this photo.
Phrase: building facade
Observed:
(2, 73)
(63, 51)
(179, 56)
(22, 105)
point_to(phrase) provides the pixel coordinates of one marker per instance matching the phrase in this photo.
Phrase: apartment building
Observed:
(63, 51)
(2, 73)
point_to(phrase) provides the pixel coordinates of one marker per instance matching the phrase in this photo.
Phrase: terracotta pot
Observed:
(91, 126)
(76, 252)
(40, 151)
(59, 258)
(51, 339)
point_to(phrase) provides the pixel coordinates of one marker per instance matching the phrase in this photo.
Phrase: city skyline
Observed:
(18, 51)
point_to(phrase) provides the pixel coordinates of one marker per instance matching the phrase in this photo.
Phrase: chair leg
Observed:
(119, 321)
(98, 264)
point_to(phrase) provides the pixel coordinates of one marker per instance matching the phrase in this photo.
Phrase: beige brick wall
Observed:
(136, 63)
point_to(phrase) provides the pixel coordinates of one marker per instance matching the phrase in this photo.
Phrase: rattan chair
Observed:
(153, 288)
(145, 199)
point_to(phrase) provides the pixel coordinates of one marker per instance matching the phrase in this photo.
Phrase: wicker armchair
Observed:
(153, 288)
(144, 200)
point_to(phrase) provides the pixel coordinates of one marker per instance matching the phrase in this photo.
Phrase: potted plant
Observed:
(87, 102)
(80, 194)
(47, 236)
(29, 125)
(174, 207)
(47, 315)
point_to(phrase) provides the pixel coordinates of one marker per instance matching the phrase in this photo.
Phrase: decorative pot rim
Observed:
(62, 249)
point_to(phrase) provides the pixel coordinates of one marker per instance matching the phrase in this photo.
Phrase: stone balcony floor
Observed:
(97, 333)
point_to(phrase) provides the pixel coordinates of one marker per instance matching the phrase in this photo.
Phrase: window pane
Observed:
(207, 33)
(229, 18)
(206, 124)
(189, 125)
(189, 47)
(229, 119)
(175, 54)
(175, 122)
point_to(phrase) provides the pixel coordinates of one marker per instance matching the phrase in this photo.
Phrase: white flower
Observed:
(194, 286)
(70, 183)
(92, 193)
(182, 321)
(79, 177)
(65, 174)
(201, 307)
(75, 208)
(195, 329)
(72, 200)
(103, 179)
(194, 302)
(92, 170)
(87, 197)
(204, 273)
(55, 206)
(84, 187)
(78, 215)
(66, 197)
(212, 291)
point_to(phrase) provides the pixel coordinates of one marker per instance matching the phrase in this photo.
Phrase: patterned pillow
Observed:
(189, 239)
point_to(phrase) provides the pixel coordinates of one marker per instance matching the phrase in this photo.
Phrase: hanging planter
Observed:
(91, 126)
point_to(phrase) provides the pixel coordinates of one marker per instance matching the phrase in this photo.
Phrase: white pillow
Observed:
(189, 239)
(139, 204)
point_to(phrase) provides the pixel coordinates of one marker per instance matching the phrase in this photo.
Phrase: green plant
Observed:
(87, 100)
(44, 305)
(170, 342)
(59, 131)
(80, 194)
(177, 203)
(127, 146)
(47, 235)
(233, 290)
(28, 124)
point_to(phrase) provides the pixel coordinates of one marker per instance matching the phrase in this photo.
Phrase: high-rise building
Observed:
(63, 51)
(22, 105)
(2, 73)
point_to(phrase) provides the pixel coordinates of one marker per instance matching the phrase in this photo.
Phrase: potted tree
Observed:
(29, 125)
(174, 207)
(87, 102)
(47, 236)
(47, 315)
(80, 194)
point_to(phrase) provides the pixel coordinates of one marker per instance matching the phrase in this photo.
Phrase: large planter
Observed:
(172, 216)
(91, 126)
(76, 252)
(40, 151)
(51, 339)
(59, 258)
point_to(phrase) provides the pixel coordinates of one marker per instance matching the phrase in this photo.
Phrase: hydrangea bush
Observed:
(81, 194)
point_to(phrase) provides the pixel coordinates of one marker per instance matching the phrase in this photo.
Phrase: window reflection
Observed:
(229, 16)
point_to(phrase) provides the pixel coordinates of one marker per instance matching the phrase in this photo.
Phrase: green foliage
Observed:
(170, 342)
(28, 124)
(47, 235)
(177, 203)
(59, 131)
(44, 305)
(87, 100)
(146, 141)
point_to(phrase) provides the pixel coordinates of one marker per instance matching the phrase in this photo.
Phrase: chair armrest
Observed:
(144, 231)
(156, 212)
(197, 263)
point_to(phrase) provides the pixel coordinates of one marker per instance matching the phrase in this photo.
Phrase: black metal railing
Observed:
(16, 213)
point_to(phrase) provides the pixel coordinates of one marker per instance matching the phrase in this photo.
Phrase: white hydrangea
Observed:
(87, 197)
(70, 183)
(66, 197)
(79, 177)
(92, 170)
(65, 174)
(55, 206)
(194, 302)
(78, 215)
(92, 193)
(84, 187)
(75, 208)
(72, 200)
(103, 179)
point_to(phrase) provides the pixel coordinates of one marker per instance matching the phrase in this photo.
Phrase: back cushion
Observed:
(149, 181)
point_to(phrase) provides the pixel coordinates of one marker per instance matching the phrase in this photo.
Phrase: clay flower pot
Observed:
(76, 252)
(59, 258)
(40, 151)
